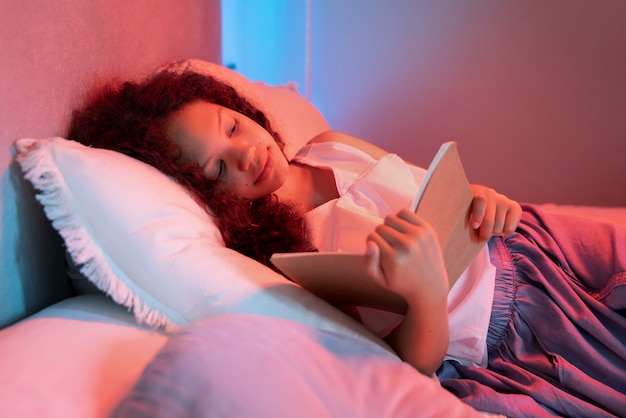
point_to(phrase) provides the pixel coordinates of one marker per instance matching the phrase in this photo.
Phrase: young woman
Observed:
(535, 277)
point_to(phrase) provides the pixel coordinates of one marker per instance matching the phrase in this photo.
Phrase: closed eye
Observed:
(233, 129)
(221, 170)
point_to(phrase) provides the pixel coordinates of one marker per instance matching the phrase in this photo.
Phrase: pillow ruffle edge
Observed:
(37, 163)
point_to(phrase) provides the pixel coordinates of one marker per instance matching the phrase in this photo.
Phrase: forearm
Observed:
(422, 338)
(403, 255)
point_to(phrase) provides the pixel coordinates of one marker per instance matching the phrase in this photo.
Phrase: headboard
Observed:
(52, 53)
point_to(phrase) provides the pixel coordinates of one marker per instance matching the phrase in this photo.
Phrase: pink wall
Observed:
(51, 51)
(534, 92)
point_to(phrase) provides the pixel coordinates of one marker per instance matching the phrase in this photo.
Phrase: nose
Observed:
(243, 155)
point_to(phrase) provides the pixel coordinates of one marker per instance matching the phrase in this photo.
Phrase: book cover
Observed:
(444, 200)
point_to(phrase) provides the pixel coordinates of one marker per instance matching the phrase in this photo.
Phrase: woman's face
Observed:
(232, 149)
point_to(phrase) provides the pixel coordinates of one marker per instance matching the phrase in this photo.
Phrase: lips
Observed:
(265, 172)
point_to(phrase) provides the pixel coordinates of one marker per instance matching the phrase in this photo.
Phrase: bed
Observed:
(120, 299)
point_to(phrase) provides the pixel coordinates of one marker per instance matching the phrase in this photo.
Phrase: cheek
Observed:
(283, 170)
(281, 173)
(242, 188)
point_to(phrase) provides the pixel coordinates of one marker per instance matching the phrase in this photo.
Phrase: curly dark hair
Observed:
(131, 118)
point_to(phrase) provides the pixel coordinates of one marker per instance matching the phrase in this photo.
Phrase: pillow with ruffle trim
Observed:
(142, 239)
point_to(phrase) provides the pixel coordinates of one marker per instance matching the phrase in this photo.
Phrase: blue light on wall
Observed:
(267, 40)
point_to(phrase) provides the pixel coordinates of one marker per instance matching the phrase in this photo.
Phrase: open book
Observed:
(444, 200)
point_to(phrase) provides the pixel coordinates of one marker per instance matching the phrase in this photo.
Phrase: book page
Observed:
(444, 200)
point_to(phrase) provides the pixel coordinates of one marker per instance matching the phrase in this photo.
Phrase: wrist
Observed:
(432, 300)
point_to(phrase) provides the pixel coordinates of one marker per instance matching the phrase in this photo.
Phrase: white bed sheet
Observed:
(244, 365)
(82, 356)
(77, 358)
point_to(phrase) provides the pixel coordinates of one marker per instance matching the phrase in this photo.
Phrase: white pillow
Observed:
(143, 240)
(139, 236)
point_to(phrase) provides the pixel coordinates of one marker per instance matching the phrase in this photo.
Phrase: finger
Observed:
(405, 221)
(479, 208)
(514, 216)
(410, 217)
(396, 223)
(372, 260)
(501, 214)
(379, 258)
(487, 224)
(393, 237)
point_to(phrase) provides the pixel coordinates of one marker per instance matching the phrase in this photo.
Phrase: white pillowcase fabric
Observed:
(141, 238)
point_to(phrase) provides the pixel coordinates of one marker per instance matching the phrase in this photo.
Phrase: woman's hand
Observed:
(493, 213)
(403, 255)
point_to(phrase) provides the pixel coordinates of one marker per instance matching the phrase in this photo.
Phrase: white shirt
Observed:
(369, 190)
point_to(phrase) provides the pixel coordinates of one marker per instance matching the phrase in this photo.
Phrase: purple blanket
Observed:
(557, 338)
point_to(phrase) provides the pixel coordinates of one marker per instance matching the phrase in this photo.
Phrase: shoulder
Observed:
(358, 143)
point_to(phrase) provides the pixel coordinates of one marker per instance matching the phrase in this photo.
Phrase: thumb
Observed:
(372, 262)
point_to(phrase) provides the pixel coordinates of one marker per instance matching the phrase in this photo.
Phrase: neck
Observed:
(308, 187)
